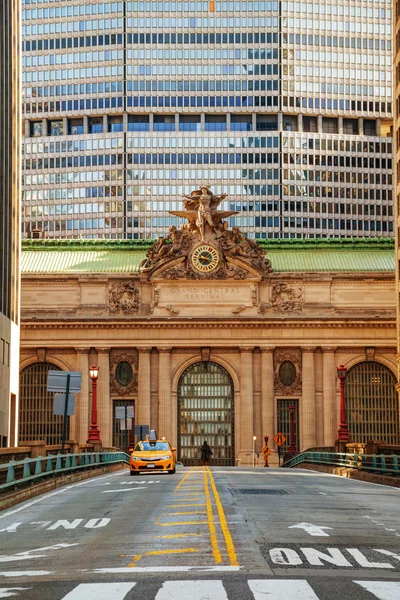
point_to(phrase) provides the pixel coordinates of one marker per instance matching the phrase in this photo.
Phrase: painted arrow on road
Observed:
(314, 530)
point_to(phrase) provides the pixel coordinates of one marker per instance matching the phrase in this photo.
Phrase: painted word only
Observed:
(345, 557)
(60, 524)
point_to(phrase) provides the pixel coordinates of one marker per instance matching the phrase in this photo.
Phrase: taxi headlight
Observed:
(135, 458)
(164, 457)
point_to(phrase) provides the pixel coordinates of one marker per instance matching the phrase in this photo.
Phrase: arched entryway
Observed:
(371, 403)
(36, 418)
(206, 412)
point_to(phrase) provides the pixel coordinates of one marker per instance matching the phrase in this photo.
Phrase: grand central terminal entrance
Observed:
(206, 413)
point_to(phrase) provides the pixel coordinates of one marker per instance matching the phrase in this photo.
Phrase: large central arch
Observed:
(206, 413)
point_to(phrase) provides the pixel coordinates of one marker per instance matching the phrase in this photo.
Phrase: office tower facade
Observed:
(10, 134)
(284, 106)
(396, 137)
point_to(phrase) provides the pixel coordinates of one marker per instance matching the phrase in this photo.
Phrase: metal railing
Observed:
(31, 470)
(384, 464)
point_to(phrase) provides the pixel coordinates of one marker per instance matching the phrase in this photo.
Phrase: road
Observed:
(205, 534)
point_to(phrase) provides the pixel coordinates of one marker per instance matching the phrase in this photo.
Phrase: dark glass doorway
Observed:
(206, 413)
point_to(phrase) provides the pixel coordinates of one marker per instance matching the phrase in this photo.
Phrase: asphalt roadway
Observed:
(205, 534)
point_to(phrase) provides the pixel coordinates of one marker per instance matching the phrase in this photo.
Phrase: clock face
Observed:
(205, 258)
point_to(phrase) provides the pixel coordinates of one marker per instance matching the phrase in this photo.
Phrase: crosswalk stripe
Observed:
(100, 591)
(276, 589)
(195, 590)
(9, 592)
(383, 590)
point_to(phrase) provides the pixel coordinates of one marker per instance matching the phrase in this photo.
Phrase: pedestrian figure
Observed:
(206, 453)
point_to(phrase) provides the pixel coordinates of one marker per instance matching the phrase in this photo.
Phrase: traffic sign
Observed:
(279, 438)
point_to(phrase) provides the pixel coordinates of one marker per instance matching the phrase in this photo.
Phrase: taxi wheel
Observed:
(171, 472)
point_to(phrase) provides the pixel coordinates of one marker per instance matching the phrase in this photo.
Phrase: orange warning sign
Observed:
(279, 439)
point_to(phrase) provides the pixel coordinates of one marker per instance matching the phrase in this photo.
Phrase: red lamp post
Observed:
(292, 410)
(94, 433)
(343, 431)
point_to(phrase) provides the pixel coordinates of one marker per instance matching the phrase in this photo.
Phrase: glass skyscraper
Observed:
(285, 106)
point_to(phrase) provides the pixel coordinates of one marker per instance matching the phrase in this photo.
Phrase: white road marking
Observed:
(123, 490)
(8, 592)
(318, 558)
(277, 589)
(100, 591)
(97, 523)
(50, 495)
(383, 590)
(364, 562)
(25, 573)
(162, 569)
(28, 554)
(66, 524)
(285, 556)
(314, 530)
(195, 590)
(388, 553)
(11, 528)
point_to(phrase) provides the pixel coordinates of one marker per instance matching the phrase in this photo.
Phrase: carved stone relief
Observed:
(287, 297)
(123, 297)
(118, 356)
(294, 356)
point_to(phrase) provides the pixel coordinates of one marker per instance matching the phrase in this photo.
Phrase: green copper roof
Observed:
(287, 256)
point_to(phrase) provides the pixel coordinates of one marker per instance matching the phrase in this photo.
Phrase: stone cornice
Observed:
(173, 324)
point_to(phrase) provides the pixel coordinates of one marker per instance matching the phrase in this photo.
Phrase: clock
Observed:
(205, 258)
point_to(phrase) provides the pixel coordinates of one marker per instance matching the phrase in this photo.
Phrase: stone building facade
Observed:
(213, 356)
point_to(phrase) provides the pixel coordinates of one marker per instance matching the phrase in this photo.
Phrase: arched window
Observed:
(371, 403)
(206, 413)
(36, 419)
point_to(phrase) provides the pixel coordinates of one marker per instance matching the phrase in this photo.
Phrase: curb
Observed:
(12, 498)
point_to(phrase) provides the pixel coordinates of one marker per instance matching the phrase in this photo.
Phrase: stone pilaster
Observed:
(246, 406)
(82, 399)
(307, 406)
(164, 393)
(154, 391)
(142, 416)
(104, 407)
(329, 391)
(267, 393)
(257, 421)
(319, 399)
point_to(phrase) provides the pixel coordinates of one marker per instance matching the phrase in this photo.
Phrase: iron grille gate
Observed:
(372, 403)
(36, 418)
(206, 413)
(122, 439)
(284, 423)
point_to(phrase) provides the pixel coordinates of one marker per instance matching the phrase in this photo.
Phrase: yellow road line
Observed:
(182, 523)
(177, 551)
(188, 512)
(200, 504)
(179, 535)
(182, 480)
(135, 560)
(224, 525)
(211, 524)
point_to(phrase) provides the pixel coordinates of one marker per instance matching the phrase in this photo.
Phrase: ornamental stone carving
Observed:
(123, 297)
(116, 358)
(287, 297)
(292, 355)
(204, 247)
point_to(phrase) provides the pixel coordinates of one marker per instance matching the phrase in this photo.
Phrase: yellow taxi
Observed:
(152, 455)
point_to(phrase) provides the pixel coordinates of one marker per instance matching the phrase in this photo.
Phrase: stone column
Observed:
(340, 125)
(307, 406)
(329, 393)
(267, 393)
(319, 399)
(280, 121)
(257, 421)
(246, 406)
(142, 416)
(319, 123)
(85, 124)
(154, 390)
(378, 127)
(300, 122)
(360, 126)
(105, 124)
(82, 400)
(104, 407)
(164, 393)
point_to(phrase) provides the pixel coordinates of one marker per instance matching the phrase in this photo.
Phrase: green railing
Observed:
(32, 470)
(384, 464)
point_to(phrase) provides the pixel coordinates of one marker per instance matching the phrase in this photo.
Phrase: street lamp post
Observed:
(254, 449)
(94, 433)
(292, 410)
(343, 431)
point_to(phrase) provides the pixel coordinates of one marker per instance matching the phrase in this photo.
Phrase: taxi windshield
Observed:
(151, 446)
